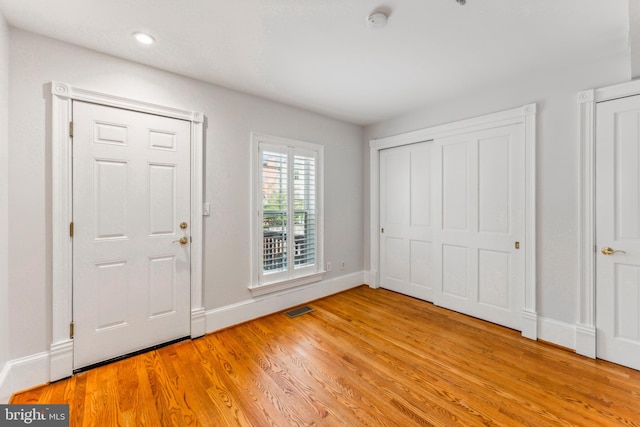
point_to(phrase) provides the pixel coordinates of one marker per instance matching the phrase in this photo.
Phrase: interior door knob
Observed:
(610, 251)
(182, 241)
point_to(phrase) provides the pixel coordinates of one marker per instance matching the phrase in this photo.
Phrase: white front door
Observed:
(405, 218)
(479, 255)
(131, 207)
(618, 231)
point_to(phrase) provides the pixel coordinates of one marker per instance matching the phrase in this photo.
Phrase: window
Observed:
(288, 213)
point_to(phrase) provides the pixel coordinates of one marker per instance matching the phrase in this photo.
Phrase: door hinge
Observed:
(71, 129)
(517, 245)
(71, 229)
(71, 329)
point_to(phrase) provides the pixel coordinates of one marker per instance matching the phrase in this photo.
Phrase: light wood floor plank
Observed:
(364, 357)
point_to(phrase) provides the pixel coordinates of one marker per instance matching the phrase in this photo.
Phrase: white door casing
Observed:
(524, 118)
(131, 273)
(62, 347)
(618, 231)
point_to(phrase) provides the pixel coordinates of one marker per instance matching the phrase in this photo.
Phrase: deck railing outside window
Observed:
(275, 245)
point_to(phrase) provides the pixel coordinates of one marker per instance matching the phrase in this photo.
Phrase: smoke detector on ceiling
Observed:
(377, 20)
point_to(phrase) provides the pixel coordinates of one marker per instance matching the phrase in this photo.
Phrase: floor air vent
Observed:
(298, 311)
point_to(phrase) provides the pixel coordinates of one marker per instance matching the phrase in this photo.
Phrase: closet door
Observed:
(478, 252)
(452, 222)
(406, 219)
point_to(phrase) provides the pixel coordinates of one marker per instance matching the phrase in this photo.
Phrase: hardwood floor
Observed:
(364, 357)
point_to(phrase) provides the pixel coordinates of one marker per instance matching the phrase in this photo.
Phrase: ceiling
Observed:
(320, 54)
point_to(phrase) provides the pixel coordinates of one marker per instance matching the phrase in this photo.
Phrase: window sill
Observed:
(267, 288)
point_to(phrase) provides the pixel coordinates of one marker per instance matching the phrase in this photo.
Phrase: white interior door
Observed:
(479, 254)
(452, 222)
(131, 192)
(406, 220)
(618, 228)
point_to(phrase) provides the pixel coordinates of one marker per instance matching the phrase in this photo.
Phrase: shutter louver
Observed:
(275, 210)
(304, 204)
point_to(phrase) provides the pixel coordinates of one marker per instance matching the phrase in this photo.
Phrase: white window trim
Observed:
(258, 286)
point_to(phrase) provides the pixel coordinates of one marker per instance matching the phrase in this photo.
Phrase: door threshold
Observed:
(128, 355)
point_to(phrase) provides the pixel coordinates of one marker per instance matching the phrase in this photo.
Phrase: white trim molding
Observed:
(62, 96)
(23, 373)
(587, 100)
(556, 332)
(525, 115)
(371, 278)
(262, 283)
(243, 311)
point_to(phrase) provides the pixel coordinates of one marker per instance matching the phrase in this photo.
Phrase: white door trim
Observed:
(525, 115)
(62, 95)
(587, 100)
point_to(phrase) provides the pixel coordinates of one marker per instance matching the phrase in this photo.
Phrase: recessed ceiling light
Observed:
(144, 38)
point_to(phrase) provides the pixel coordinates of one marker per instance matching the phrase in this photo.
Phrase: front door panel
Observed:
(131, 190)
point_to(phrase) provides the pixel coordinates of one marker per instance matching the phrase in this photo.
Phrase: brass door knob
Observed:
(182, 241)
(610, 251)
(183, 225)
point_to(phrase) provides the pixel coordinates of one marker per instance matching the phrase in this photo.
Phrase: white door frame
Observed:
(587, 100)
(525, 115)
(62, 95)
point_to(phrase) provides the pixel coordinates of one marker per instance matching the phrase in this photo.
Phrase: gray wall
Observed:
(231, 116)
(634, 37)
(558, 165)
(4, 188)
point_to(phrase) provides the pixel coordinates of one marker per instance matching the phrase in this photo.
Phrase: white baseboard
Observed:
(529, 324)
(556, 332)
(233, 314)
(24, 373)
(61, 359)
(5, 389)
(586, 340)
(371, 279)
(198, 322)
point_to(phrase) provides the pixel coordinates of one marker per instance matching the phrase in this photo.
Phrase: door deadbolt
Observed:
(183, 225)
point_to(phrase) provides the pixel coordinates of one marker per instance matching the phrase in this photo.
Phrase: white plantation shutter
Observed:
(274, 210)
(304, 206)
(288, 223)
